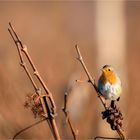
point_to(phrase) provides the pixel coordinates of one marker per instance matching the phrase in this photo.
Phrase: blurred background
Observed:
(107, 32)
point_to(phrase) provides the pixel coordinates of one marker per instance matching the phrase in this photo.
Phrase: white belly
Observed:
(111, 92)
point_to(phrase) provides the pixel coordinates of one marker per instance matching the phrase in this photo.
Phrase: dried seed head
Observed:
(113, 116)
(33, 102)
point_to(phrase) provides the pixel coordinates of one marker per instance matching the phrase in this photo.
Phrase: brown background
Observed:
(51, 30)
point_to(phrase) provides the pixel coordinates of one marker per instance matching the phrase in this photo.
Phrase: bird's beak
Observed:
(102, 70)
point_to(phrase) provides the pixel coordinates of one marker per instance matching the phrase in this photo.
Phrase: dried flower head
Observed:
(33, 102)
(113, 116)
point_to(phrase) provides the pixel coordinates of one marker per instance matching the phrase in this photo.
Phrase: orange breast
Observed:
(108, 77)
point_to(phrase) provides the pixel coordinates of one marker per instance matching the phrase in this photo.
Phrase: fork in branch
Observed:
(47, 101)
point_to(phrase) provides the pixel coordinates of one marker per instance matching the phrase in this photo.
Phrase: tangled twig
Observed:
(112, 114)
(49, 109)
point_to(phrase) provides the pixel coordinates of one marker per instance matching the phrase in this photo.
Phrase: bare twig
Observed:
(92, 81)
(26, 128)
(108, 138)
(67, 116)
(49, 111)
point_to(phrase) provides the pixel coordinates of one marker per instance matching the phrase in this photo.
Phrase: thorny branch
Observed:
(113, 115)
(49, 111)
(67, 116)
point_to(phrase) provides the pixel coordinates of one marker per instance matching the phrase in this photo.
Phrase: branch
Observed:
(49, 111)
(90, 79)
(108, 138)
(108, 111)
(67, 116)
(23, 48)
(26, 128)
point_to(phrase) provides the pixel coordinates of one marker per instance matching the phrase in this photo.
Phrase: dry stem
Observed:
(50, 111)
(92, 81)
(30, 126)
(67, 116)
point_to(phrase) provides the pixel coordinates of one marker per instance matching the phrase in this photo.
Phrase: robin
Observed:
(109, 84)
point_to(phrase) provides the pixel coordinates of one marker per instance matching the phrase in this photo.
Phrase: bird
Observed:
(109, 84)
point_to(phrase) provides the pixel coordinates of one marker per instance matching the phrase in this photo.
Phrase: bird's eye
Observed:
(109, 70)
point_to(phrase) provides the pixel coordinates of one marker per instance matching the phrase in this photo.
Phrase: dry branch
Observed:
(49, 110)
(92, 81)
(30, 126)
(67, 116)
(106, 138)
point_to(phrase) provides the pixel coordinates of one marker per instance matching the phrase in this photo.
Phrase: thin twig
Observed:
(90, 79)
(119, 130)
(26, 128)
(108, 138)
(67, 116)
(49, 111)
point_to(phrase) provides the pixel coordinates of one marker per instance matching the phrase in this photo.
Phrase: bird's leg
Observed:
(118, 99)
(109, 110)
(112, 105)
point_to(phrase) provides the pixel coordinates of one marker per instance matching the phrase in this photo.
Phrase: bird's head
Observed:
(107, 70)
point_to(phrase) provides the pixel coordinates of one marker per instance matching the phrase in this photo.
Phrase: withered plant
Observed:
(42, 103)
(45, 106)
